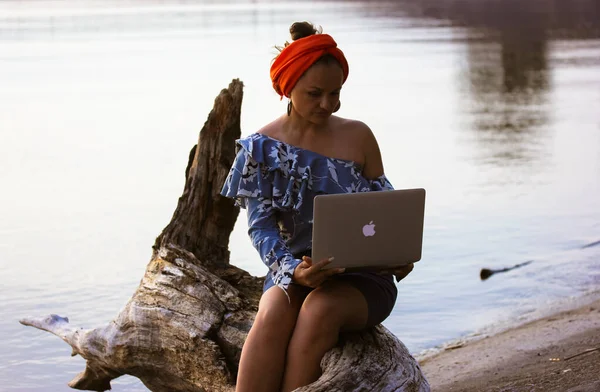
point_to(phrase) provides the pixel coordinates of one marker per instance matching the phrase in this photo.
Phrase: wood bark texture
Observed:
(184, 327)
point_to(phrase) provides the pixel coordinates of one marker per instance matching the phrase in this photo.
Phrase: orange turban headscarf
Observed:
(299, 56)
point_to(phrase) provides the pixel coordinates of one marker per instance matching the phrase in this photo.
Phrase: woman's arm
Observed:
(266, 238)
(373, 168)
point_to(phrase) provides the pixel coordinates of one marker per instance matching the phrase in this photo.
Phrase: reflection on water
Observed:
(562, 19)
(508, 82)
(506, 76)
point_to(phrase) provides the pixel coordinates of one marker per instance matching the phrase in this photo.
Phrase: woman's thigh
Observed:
(336, 304)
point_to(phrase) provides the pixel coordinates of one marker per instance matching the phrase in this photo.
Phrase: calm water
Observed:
(497, 117)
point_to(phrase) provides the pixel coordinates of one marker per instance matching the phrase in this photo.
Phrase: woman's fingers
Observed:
(318, 266)
(403, 272)
(318, 278)
(332, 271)
(399, 272)
(314, 274)
(304, 265)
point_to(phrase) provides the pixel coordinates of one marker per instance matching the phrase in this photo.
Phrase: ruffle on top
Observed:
(268, 168)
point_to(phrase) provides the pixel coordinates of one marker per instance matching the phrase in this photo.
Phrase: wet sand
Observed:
(532, 357)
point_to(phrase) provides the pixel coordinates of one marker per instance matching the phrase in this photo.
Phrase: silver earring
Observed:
(289, 108)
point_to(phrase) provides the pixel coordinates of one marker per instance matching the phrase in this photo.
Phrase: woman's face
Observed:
(317, 93)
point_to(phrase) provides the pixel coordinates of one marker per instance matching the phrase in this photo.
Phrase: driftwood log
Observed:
(184, 327)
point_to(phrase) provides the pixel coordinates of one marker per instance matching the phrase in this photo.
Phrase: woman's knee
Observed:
(276, 313)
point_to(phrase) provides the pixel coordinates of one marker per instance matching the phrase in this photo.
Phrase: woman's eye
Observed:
(314, 93)
(335, 93)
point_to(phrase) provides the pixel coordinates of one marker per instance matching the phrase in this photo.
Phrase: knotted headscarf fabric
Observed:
(299, 56)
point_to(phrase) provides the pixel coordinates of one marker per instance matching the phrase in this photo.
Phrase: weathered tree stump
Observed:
(184, 327)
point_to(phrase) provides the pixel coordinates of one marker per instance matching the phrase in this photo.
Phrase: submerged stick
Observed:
(486, 272)
(589, 350)
(590, 245)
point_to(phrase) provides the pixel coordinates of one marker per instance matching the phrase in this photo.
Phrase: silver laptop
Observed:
(369, 230)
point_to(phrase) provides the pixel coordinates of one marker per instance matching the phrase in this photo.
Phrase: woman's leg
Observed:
(263, 355)
(327, 310)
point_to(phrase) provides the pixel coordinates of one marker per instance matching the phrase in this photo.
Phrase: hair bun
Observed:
(302, 29)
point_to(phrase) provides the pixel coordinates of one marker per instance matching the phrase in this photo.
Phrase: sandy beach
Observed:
(558, 353)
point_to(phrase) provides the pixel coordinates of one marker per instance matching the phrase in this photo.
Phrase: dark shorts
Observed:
(379, 291)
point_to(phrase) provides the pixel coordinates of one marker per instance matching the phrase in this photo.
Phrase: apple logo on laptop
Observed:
(369, 230)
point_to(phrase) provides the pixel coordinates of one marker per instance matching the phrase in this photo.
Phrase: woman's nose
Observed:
(326, 103)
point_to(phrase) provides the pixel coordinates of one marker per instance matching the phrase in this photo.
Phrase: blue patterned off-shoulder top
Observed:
(276, 183)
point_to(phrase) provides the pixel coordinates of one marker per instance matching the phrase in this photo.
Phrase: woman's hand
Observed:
(312, 274)
(400, 272)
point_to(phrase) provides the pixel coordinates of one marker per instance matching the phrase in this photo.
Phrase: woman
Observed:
(275, 176)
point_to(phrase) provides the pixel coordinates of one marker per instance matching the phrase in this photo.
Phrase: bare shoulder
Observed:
(363, 138)
(271, 129)
(349, 123)
(358, 132)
